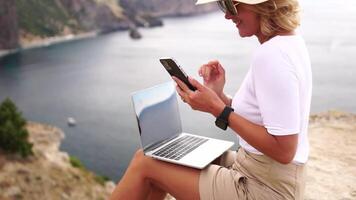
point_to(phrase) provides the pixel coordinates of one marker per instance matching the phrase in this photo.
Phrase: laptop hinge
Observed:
(154, 146)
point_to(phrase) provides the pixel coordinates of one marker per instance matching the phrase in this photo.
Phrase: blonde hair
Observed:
(278, 16)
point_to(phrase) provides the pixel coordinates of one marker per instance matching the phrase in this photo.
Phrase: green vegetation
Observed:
(101, 179)
(75, 162)
(13, 134)
(43, 18)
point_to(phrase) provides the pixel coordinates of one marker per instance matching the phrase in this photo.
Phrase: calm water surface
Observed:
(91, 80)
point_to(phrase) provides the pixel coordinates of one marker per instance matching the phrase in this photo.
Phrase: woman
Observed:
(269, 114)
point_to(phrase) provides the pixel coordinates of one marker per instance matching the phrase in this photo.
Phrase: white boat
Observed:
(71, 121)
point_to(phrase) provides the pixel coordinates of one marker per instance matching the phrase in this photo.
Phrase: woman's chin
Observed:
(244, 34)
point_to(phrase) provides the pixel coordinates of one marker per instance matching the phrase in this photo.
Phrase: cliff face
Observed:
(41, 19)
(161, 8)
(104, 15)
(8, 25)
(48, 174)
(24, 22)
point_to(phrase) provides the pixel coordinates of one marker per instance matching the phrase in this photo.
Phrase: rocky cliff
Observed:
(103, 15)
(48, 174)
(23, 22)
(8, 25)
(53, 18)
(159, 8)
(26, 21)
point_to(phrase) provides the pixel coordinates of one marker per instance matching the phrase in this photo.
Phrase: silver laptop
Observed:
(161, 133)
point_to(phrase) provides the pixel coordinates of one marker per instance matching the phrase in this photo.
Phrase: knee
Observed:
(138, 156)
(142, 164)
(137, 162)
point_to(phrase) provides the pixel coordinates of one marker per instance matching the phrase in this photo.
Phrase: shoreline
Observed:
(49, 41)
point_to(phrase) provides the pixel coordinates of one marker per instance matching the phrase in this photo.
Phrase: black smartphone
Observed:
(175, 70)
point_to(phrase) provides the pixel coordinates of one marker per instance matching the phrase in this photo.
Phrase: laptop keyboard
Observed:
(180, 147)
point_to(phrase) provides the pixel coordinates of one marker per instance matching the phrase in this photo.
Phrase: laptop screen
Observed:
(157, 114)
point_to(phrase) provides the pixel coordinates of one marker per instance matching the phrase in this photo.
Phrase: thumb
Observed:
(196, 84)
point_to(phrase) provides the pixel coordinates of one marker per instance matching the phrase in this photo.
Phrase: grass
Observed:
(101, 179)
(75, 162)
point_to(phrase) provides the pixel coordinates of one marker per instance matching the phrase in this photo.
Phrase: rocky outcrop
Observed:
(42, 20)
(162, 8)
(8, 26)
(147, 13)
(134, 34)
(48, 174)
(27, 23)
(105, 16)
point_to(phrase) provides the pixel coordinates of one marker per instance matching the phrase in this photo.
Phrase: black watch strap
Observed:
(222, 120)
(225, 113)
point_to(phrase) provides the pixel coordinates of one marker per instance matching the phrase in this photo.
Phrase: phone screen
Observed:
(175, 70)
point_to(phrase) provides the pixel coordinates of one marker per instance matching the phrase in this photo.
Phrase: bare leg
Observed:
(182, 182)
(156, 193)
(132, 185)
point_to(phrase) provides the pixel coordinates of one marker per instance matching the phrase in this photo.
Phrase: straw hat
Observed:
(242, 1)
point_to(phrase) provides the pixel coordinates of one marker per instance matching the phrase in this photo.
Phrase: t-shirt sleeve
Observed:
(277, 91)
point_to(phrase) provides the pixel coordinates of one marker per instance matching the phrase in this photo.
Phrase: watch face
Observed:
(221, 124)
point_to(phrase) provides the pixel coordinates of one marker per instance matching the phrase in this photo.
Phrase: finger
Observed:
(196, 84)
(200, 71)
(181, 84)
(203, 68)
(213, 62)
(220, 69)
(181, 94)
(207, 73)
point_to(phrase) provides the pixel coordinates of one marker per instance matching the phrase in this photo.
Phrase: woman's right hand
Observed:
(214, 76)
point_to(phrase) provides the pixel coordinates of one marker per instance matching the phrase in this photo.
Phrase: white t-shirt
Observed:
(276, 91)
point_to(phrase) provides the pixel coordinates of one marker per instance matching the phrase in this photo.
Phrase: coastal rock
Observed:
(152, 21)
(105, 16)
(39, 21)
(32, 23)
(8, 26)
(134, 34)
(147, 13)
(47, 174)
(146, 20)
(164, 8)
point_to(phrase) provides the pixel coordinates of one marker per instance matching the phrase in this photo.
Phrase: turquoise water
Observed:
(91, 80)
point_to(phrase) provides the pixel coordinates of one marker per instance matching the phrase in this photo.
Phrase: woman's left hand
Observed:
(202, 99)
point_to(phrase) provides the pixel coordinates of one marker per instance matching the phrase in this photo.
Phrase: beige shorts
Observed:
(244, 175)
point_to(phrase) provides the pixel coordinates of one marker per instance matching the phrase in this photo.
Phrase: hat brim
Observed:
(199, 2)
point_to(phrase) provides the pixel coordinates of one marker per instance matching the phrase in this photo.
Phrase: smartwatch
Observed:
(222, 120)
